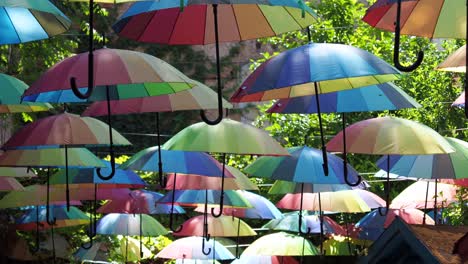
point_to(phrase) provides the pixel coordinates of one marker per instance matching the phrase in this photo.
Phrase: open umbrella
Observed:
(10, 184)
(291, 245)
(190, 248)
(315, 68)
(284, 187)
(265, 259)
(339, 246)
(198, 197)
(16, 172)
(460, 101)
(415, 195)
(456, 62)
(65, 130)
(31, 20)
(30, 220)
(223, 226)
(289, 223)
(389, 136)
(187, 22)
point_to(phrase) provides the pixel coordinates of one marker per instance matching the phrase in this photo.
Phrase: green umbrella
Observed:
(281, 244)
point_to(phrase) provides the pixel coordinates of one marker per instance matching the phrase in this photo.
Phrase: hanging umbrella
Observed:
(389, 136)
(284, 187)
(129, 225)
(132, 250)
(29, 221)
(315, 68)
(339, 246)
(10, 184)
(224, 226)
(414, 196)
(291, 245)
(290, 220)
(262, 208)
(460, 182)
(372, 225)
(121, 179)
(265, 259)
(198, 182)
(98, 252)
(436, 166)
(191, 248)
(456, 62)
(351, 201)
(228, 136)
(185, 22)
(197, 197)
(65, 130)
(10, 99)
(139, 202)
(24, 21)
(16, 172)
(386, 96)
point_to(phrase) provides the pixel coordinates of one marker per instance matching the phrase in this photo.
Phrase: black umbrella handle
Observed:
(345, 156)
(322, 137)
(171, 215)
(387, 191)
(73, 85)
(111, 142)
(218, 75)
(221, 198)
(162, 181)
(49, 221)
(204, 251)
(308, 230)
(396, 47)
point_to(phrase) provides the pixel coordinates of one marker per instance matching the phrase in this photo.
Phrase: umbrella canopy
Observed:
(138, 202)
(223, 226)
(132, 75)
(36, 195)
(132, 250)
(456, 62)
(289, 222)
(30, 20)
(64, 130)
(303, 165)
(10, 98)
(351, 201)
(388, 136)
(372, 225)
(448, 166)
(198, 182)
(460, 182)
(425, 18)
(10, 184)
(64, 218)
(129, 225)
(228, 136)
(460, 101)
(281, 244)
(386, 96)
(333, 67)
(167, 23)
(121, 179)
(265, 259)
(199, 97)
(191, 248)
(284, 187)
(414, 196)
(50, 157)
(16, 172)
(176, 161)
(198, 197)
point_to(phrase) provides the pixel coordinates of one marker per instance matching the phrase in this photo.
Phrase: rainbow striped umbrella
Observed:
(437, 166)
(64, 218)
(223, 226)
(130, 225)
(200, 197)
(456, 62)
(191, 248)
(386, 96)
(30, 20)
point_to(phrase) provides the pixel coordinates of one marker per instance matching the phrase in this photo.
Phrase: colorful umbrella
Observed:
(132, 250)
(121, 179)
(10, 99)
(198, 182)
(198, 197)
(390, 136)
(460, 182)
(386, 96)
(223, 226)
(372, 224)
(290, 220)
(281, 244)
(30, 20)
(265, 259)
(437, 166)
(16, 172)
(167, 24)
(191, 248)
(139, 202)
(456, 62)
(130, 225)
(262, 208)
(284, 187)
(98, 252)
(10, 184)
(351, 201)
(415, 195)
(30, 220)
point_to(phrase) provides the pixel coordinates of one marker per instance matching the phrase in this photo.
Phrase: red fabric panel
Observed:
(160, 28)
(190, 26)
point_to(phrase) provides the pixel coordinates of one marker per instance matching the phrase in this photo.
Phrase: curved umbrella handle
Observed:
(345, 156)
(206, 253)
(396, 47)
(171, 215)
(112, 161)
(77, 92)
(218, 75)
(90, 243)
(171, 225)
(352, 184)
(221, 198)
(300, 214)
(111, 142)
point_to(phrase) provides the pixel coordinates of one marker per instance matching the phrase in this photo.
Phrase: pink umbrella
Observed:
(459, 182)
(460, 101)
(414, 196)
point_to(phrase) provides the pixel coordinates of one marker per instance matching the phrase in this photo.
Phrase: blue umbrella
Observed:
(30, 20)
(386, 96)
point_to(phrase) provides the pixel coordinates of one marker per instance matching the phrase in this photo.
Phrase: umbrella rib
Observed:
(173, 28)
(294, 18)
(266, 19)
(235, 18)
(438, 16)
(39, 22)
